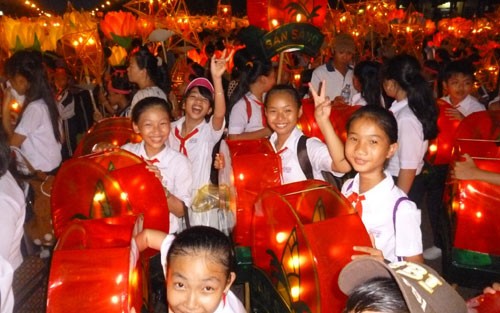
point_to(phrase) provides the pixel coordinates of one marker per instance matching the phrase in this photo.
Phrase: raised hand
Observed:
(322, 103)
(219, 65)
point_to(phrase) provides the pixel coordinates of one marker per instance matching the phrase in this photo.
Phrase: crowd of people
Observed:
(382, 160)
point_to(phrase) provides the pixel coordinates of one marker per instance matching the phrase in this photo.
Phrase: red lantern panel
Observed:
(295, 238)
(339, 117)
(94, 268)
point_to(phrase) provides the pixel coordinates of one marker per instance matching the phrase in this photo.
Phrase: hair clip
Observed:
(160, 61)
(249, 64)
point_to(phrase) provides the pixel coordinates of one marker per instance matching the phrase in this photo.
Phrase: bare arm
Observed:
(17, 140)
(258, 134)
(335, 146)
(217, 68)
(468, 170)
(150, 238)
(405, 179)
(7, 99)
(414, 258)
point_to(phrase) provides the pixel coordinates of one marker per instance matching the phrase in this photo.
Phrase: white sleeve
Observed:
(408, 233)
(320, 157)
(183, 180)
(238, 118)
(30, 121)
(410, 140)
(8, 227)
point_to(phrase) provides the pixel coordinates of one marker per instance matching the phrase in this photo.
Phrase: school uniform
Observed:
(40, 147)
(241, 120)
(6, 293)
(176, 174)
(467, 106)
(335, 81)
(198, 146)
(358, 99)
(13, 211)
(153, 91)
(316, 150)
(229, 303)
(396, 238)
(412, 145)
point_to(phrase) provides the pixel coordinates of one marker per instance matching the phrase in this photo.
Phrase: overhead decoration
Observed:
(269, 14)
(121, 27)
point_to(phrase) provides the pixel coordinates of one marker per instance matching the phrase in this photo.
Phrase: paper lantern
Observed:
(294, 243)
(120, 27)
(95, 268)
(108, 184)
(242, 183)
(269, 14)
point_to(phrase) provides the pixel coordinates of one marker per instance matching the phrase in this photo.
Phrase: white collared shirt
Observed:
(412, 146)
(238, 118)
(467, 106)
(335, 81)
(316, 150)
(40, 147)
(176, 174)
(199, 149)
(12, 210)
(378, 208)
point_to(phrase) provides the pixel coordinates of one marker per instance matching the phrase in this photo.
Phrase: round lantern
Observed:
(269, 14)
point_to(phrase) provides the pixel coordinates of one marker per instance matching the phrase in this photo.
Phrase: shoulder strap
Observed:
(396, 205)
(249, 108)
(305, 163)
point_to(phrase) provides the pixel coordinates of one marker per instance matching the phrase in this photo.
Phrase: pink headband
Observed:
(118, 91)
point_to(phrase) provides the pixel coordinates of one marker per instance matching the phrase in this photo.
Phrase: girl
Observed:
(151, 119)
(148, 73)
(119, 90)
(38, 131)
(366, 81)
(192, 135)
(283, 109)
(416, 113)
(198, 265)
(389, 217)
(247, 119)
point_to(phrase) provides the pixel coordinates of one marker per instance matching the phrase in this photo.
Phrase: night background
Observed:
(17, 8)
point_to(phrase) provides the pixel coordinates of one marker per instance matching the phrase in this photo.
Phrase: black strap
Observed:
(305, 163)
(186, 216)
(401, 199)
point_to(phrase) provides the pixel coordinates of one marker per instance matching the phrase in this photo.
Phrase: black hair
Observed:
(157, 73)
(405, 70)
(119, 80)
(378, 294)
(249, 69)
(197, 71)
(305, 79)
(282, 88)
(207, 240)
(383, 117)
(29, 65)
(5, 153)
(462, 66)
(368, 74)
(146, 103)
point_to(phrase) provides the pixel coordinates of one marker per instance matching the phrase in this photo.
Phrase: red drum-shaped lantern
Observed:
(114, 130)
(440, 149)
(250, 167)
(113, 183)
(476, 203)
(488, 303)
(339, 117)
(269, 14)
(94, 267)
(480, 125)
(303, 234)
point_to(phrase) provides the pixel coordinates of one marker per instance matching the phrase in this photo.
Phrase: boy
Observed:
(338, 71)
(458, 82)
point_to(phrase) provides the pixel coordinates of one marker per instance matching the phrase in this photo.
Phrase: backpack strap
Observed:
(249, 108)
(396, 205)
(304, 161)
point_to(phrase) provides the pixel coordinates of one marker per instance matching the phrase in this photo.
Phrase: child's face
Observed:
(196, 105)
(196, 283)
(134, 72)
(282, 113)
(269, 81)
(20, 84)
(368, 146)
(459, 86)
(154, 127)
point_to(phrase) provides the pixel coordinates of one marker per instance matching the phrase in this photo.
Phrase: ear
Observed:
(392, 150)
(135, 128)
(230, 281)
